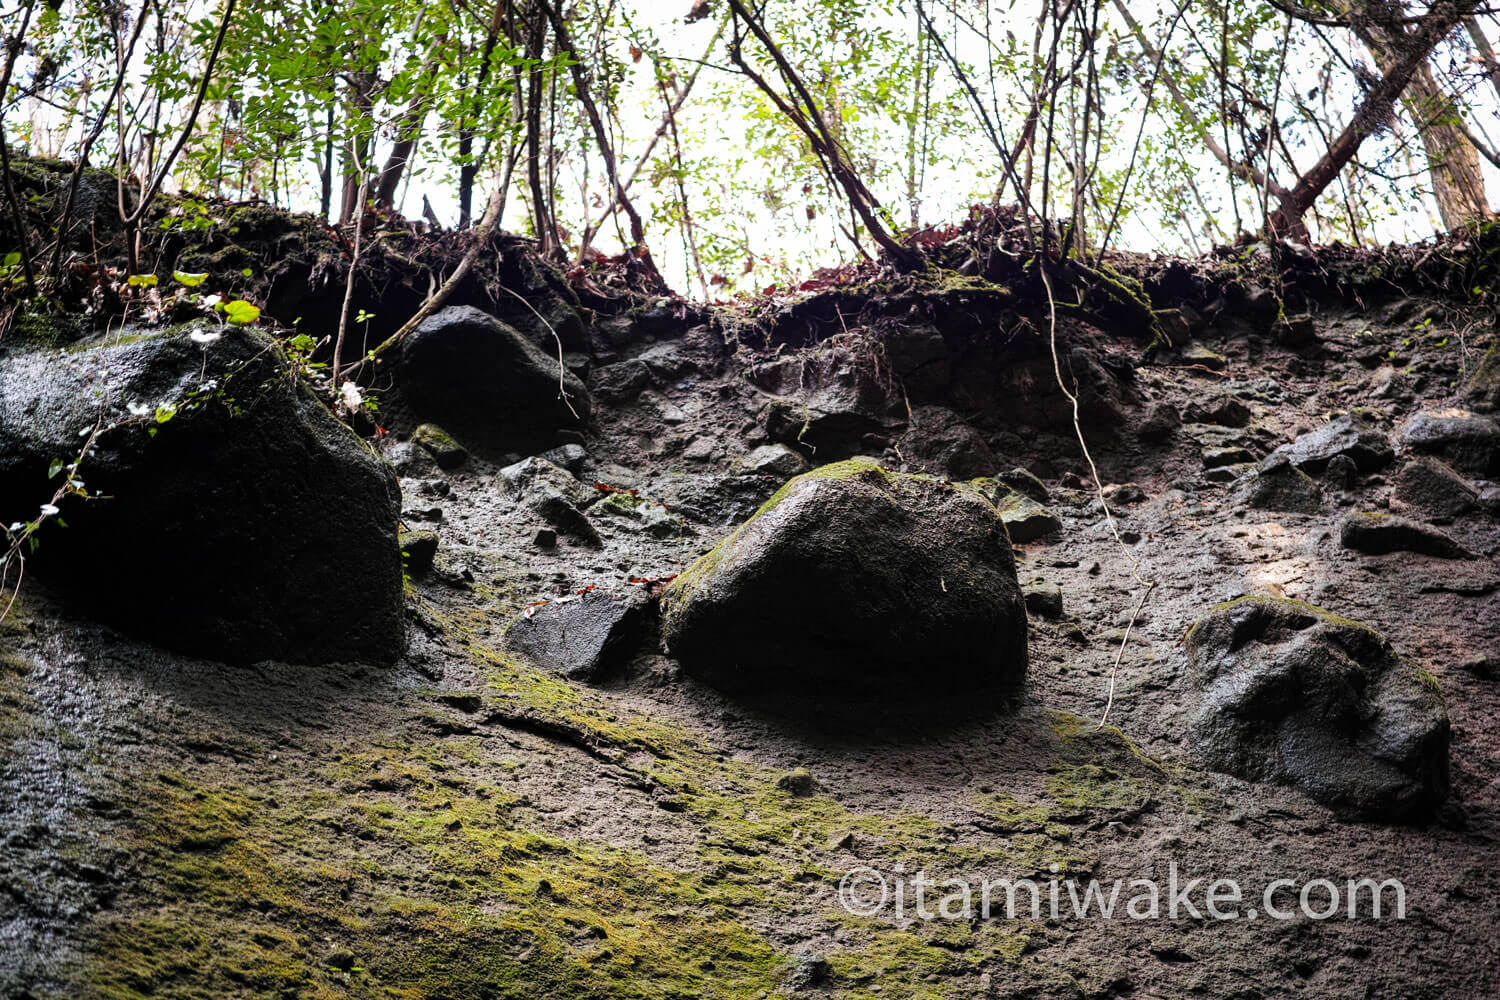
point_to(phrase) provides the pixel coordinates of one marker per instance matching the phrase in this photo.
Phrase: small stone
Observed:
(581, 636)
(567, 456)
(1024, 518)
(545, 538)
(1026, 484)
(799, 782)
(811, 971)
(702, 449)
(1433, 488)
(1341, 472)
(1482, 665)
(560, 512)
(1470, 442)
(445, 451)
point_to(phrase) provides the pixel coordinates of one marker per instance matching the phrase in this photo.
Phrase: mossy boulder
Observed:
(230, 515)
(1293, 694)
(855, 580)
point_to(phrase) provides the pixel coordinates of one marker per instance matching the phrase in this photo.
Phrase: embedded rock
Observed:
(775, 460)
(1292, 694)
(583, 636)
(1279, 485)
(486, 383)
(1430, 486)
(1358, 436)
(251, 525)
(940, 442)
(438, 443)
(855, 579)
(1379, 534)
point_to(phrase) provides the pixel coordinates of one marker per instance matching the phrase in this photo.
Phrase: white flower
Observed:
(349, 393)
(204, 337)
(48, 509)
(212, 300)
(138, 409)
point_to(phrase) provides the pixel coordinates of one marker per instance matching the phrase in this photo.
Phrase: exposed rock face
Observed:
(1379, 534)
(251, 525)
(1469, 441)
(581, 638)
(855, 579)
(486, 383)
(940, 442)
(1357, 436)
(1292, 694)
(826, 404)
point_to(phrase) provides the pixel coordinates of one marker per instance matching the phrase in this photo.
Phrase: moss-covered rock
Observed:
(855, 579)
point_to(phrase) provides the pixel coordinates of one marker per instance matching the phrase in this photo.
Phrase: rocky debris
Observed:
(525, 477)
(775, 460)
(568, 456)
(855, 579)
(1470, 442)
(1289, 693)
(418, 549)
(810, 972)
(1215, 458)
(1379, 534)
(1281, 486)
(1485, 666)
(1023, 482)
(1043, 599)
(1341, 473)
(486, 383)
(1297, 330)
(445, 451)
(581, 636)
(940, 442)
(1358, 436)
(1228, 473)
(1161, 422)
(244, 522)
(1431, 487)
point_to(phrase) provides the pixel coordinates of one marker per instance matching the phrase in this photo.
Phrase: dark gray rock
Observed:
(1279, 485)
(486, 383)
(527, 476)
(1044, 600)
(620, 383)
(1024, 518)
(1431, 487)
(775, 460)
(1470, 442)
(583, 636)
(1292, 694)
(569, 456)
(1341, 473)
(251, 525)
(940, 442)
(1359, 436)
(562, 513)
(1214, 458)
(409, 460)
(827, 403)
(1379, 534)
(1226, 411)
(858, 580)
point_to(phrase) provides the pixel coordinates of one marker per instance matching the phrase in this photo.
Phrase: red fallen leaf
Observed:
(585, 590)
(530, 609)
(640, 581)
(606, 488)
(380, 432)
(749, 265)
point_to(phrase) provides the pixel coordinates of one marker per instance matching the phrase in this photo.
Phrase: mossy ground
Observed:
(412, 863)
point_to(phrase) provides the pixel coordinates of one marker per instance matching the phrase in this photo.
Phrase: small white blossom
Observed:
(48, 509)
(204, 336)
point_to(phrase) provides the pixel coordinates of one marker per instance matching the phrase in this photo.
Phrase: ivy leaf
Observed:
(190, 280)
(239, 312)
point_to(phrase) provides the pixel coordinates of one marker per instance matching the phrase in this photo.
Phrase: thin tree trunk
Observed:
(18, 215)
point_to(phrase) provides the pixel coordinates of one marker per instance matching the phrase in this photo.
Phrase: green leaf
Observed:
(57, 466)
(165, 413)
(247, 272)
(141, 281)
(12, 259)
(190, 280)
(239, 312)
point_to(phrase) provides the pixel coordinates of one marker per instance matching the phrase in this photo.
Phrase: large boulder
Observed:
(1290, 693)
(855, 579)
(486, 384)
(249, 524)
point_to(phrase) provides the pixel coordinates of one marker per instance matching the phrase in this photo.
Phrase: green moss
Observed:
(1322, 614)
